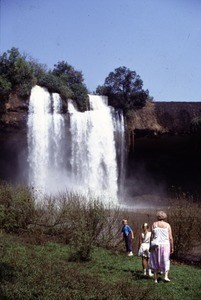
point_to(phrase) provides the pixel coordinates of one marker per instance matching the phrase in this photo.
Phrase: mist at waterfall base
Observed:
(82, 152)
(142, 190)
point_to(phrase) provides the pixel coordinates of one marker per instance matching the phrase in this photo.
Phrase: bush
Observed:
(16, 207)
(24, 89)
(83, 222)
(5, 88)
(89, 223)
(184, 217)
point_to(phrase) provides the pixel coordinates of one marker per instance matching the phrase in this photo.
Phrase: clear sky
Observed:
(159, 39)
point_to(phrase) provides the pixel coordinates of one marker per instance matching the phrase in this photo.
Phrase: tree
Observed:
(16, 73)
(74, 81)
(68, 73)
(124, 89)
(39, 70)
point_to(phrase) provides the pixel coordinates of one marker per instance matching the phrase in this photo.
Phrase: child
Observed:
(127, 236)
(143, 248)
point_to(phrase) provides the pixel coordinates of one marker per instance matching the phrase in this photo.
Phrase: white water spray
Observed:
(94, 163)
(80, 156)
(46, 130)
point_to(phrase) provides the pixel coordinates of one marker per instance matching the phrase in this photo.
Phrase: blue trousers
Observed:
(128, 242)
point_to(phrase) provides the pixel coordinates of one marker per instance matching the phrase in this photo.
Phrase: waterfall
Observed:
(119, 126)
(84, 153)
(93, 156)
(46, 141)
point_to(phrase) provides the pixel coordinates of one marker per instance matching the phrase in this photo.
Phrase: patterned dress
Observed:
(160, 256)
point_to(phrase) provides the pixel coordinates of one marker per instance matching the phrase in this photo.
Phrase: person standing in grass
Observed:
(143, 249)
(161, 246)
(128, 236)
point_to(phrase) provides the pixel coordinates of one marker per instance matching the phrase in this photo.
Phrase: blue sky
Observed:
(159, 39)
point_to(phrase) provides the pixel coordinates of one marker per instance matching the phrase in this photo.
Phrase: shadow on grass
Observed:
(138, 275)
(7, 273)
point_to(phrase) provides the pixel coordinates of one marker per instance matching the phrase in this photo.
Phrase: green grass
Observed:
(45, 272)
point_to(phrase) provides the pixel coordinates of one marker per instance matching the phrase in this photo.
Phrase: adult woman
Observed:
(161, 246)
(143, 248)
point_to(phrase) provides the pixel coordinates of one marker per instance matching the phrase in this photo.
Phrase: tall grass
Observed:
(85, 222)
(185, 218)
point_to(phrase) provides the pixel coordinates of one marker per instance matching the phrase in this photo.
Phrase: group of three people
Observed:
(154, 247)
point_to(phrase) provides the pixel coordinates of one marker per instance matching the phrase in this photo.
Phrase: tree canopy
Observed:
(18, 74)
(73, 80)
(15, 74)
(124, 89)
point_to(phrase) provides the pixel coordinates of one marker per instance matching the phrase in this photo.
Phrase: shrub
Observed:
(16, 207)
(86, 218)
(24, 89)
(184, 217)
(83, 222)
(5, 88)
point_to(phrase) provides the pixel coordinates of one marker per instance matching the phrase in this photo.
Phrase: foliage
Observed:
(54, 85)
(74, 81)
(79, 221)
(18, 74)
(184, 216)
(16, 207)
(124, 89)
(38, 69)
(85, 222)
(5, 88)
(68, 74)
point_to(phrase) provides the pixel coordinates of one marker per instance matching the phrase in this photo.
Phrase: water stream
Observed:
(78, 151)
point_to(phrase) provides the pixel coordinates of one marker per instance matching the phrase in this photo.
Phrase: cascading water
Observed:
(93, 159)
(79, 155)
(118, 120)
(46, 141)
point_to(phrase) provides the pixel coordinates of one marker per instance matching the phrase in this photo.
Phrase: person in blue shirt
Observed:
(128, 236)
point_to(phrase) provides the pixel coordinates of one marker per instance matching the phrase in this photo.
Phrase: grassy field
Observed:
(29, 271)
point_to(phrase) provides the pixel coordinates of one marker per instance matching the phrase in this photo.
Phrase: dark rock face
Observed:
(165, 117)
(13, 155)
(13, 141)
(165, 149)
(14, 114)
(176, 117)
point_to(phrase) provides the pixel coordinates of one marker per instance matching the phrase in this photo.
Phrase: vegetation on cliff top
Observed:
(124, 89)
(18, 74)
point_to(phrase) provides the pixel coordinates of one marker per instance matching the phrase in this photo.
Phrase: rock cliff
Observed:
(14, 113)
(163, 149)
(154, 118)
(165, 117)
